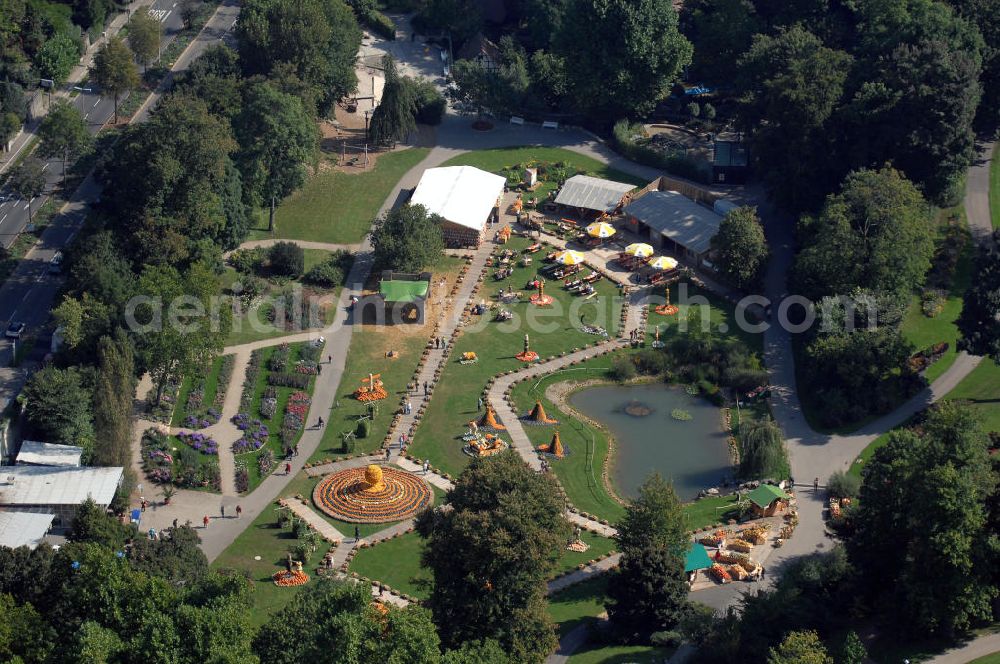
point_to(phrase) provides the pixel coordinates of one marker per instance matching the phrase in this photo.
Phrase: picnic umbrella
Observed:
(639, 250)
(569, 257)
(663, 263)
(600, 229)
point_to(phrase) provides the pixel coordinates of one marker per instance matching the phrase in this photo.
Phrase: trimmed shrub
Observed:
(287, 259)
(363, 430)
(430, 102)
(843, 485)
(622, 369)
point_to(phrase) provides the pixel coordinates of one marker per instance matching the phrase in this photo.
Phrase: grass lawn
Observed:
(274, 423)
(924, 332)
(339, 207)
(995, 188)
(396, 562)
(721, 316)
(987, 659)
(263, 538)
(553, 330)
(497, 159)
(981, 390)
(209, 383)
(369, 345)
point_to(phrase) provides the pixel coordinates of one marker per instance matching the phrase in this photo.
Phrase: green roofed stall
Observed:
(403, 291)
(766, 494)
(697, 558)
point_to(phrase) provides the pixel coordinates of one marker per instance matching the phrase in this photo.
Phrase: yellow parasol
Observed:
(569, 257)
(601, 229)
(663, 263)
(639, 250)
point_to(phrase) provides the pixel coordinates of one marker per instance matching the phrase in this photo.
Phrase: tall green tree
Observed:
(144, 35)
(930, 489)
(762, 450)
(277, 137)
(979, 321)
(629, 74)
(875, 234)
(790, 86)
(407, 239)
(491, 554)
(114, 391)
(800, 648)
(853, 651)
(176, 329)
(741, 247)
(720, 31)
(648, 593)
(57, 405)
(27, 180)
(57, 57)
(63, 133)
(395, 116)
(332, 616)
(114, 71)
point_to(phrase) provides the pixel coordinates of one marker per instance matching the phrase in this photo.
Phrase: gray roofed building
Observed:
(56, 489)
(34, 453)
(590, 193)
(23, 528)
(677, 218)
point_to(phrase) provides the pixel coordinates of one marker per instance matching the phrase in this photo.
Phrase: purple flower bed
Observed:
(253, 439)
(210, 417)
(200, 442)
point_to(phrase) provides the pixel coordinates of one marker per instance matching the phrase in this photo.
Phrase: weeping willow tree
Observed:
(394, 117)
(762, 450)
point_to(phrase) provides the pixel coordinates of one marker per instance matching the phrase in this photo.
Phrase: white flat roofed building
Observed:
(465, 196)
(23, 528)
(34, 453)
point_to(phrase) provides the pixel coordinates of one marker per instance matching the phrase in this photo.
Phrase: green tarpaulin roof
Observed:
(403, 291)
(766, 494)
(697, 558)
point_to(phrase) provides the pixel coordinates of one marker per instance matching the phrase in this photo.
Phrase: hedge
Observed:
(380, 24)
(675, 164)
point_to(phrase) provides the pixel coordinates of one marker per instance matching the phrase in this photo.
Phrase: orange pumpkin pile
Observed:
(285, 579)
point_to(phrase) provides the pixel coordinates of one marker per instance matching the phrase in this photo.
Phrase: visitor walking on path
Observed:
(239, 511)
(357, 534)
(319, 369)
(288, 469)
(427, 465)
(205, 521)
(329, 359)
(143, 504)
(479, 406)
(388, 453)
(222, 511)
(425, 388)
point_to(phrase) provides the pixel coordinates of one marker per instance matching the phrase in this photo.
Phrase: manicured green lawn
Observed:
(987, 659)
(497, 159)
(578, 603)
(339, 207)
(995, 188)
(396, 562)
(924, 332)
(721, 316)
(455, 398)
(273, 424)
(596, 653)
(981, 389)
(263, 538)
(367, 354)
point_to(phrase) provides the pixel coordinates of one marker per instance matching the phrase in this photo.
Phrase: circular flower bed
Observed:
(288, 579)
(345, 495)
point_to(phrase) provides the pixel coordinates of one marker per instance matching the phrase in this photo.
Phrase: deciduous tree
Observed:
(144, 34)
(629, 74)
(57, 404)
(762, 450)
(800, 648)
(64, 133)
(114, 71)
(407, 239)
(741, 247)
(491, 554)
(395, 116)
(27, 180)
(979, 321)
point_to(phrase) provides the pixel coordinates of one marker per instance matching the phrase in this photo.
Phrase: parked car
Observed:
(14, 330)
(55, 264)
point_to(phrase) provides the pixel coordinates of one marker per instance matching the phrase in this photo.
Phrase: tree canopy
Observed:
(394, 117)
(979, 321)
(491, 554)
(114, 71)
(741, 248)
(407, 239)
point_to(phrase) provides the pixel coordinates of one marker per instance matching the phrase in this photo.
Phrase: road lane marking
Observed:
(86, 115)
(45, 166)
(96, 102)
(2, 218)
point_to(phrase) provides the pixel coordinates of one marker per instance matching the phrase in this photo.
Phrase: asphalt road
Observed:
(28, 295)
(97, 110)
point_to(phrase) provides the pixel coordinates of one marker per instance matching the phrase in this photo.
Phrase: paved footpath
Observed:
(306, 513)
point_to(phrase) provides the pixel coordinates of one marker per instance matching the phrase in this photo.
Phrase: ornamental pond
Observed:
(691, 452)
